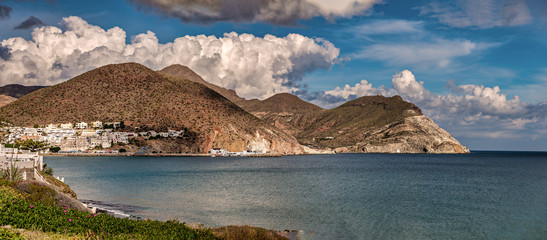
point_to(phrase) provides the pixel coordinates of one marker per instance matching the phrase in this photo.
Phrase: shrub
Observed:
(54, 149)
(6, 233)
(122, 150)
(48, 171)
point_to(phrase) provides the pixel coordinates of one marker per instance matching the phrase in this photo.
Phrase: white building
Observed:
(219, 151)
(97, 124)
(81, 125)
(89, 133)
(54, 135)
(66, 125)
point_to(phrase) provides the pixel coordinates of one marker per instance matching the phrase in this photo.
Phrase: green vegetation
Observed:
(122, 150)
(48, 171)
(10, 145)
(10, 234)
(32, 145)
(35, 209)
(54, 149)
(11, 174)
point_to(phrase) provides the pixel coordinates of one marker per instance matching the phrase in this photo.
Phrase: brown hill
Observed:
(6, 99)
(17, 90)
(183, 72)
(285, 111)
(282, 103)
(378, 124)
(149, 100)
(367, 124)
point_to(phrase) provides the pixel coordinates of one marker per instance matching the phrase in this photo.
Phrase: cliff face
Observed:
(147, 100)
(381, 125)
(416, 134)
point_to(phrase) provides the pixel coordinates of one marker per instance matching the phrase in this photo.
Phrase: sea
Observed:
(481, 195)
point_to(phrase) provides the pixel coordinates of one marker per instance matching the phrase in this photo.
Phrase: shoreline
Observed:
(154, 155)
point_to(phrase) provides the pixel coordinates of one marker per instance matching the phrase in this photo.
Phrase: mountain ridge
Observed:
(147, 99)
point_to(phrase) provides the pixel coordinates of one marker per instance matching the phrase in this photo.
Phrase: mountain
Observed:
(183, 72)
(149, 100)
(378, 124)
(17, 91)
(366, 124)
(285, 111)
(6, 99)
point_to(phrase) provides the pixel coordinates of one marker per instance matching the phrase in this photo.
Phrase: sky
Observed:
(477, 68)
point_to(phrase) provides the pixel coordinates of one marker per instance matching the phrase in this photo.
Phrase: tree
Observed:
(48, 171)
(36, 126)
(122, 150)
(32, 145)
(54, 149)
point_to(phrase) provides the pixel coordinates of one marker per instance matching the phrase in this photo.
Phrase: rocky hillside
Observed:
(146, 99)
(378, 124)
(6, 99)
(184, 72)
(285, 111)
(367, 124)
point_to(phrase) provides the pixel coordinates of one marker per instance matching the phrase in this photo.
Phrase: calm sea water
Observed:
(484, 195)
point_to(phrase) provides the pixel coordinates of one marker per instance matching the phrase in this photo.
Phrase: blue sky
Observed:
(478, 68)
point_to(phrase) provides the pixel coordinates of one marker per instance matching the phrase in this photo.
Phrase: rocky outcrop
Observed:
(416, 134)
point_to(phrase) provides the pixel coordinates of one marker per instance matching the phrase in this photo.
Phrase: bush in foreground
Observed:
(19, 212)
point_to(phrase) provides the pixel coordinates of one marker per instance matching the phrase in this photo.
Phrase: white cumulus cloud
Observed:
(363, 88)
(254, 67)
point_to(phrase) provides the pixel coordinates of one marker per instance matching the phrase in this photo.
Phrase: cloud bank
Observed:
(471, 110)
(283, 12)
(479, 14)
(254, 67)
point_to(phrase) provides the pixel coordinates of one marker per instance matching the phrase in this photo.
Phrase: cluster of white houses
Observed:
(81, 136)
